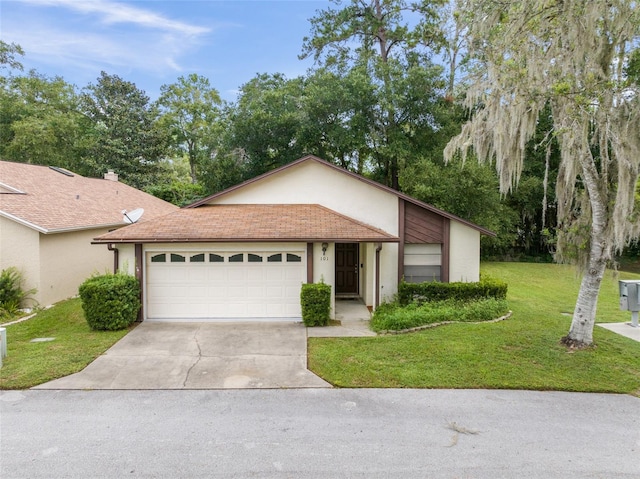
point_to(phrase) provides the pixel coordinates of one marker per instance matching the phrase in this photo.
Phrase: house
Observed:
(48, 218)
(244, 252)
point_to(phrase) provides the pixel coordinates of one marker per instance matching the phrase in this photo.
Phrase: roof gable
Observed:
(310, 158)
(54, 200)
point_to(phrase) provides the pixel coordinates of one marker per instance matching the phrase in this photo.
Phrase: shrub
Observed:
(315, 299)
(179, 193)
(12, 296)
(393, 316)
(433, 291)
(111, 301)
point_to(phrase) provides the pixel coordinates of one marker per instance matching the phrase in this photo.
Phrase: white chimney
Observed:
(111, 176)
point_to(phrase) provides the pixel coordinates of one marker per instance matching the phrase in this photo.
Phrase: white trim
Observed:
(88, 227)
(45, 231)
(12, 189)
(227, 246)
(224, 320)
(24, 222)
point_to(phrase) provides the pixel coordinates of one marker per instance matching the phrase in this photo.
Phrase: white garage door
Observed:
(224, 285)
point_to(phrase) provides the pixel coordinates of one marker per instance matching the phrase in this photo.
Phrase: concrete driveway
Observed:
(201, 356)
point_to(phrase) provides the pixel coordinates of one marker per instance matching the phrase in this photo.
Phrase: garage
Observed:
(242, 261)
(219, 285)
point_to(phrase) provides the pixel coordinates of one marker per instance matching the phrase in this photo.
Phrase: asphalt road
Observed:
(318, 433)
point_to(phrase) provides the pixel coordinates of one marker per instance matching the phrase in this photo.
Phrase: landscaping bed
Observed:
(521, 353)
(395, 317)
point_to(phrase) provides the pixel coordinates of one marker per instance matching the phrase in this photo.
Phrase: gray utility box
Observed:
(630, 298)
(629, 295)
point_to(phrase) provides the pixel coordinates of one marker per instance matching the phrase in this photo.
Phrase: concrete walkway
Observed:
(354, 321)
(624, 329)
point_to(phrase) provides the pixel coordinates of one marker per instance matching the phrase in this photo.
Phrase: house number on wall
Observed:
(324, 258)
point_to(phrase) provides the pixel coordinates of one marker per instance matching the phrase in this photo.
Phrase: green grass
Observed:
(522, 352)
(28, 364)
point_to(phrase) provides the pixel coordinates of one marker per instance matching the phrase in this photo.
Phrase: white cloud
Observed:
(116, 12)
(101, 35)
(94, 51)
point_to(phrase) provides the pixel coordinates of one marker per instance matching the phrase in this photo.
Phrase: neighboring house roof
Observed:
(249, 222)
(52, 200)
(353, 175)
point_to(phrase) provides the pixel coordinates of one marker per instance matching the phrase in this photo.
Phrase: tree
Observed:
(263, 125)
(570, 55)
(533, 200)
(125, 135)
(454, 48)
(338, 114)
(40, 122)
(8, 54)
(375, 36)
(191, 114)
(468, 190)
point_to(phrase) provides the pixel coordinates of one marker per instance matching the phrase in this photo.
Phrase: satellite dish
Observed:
(132, 216)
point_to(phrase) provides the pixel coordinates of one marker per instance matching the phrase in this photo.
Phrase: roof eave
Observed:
(245, 240)
(11, 190)
(88, 227)
(24, 222)
(47, 231)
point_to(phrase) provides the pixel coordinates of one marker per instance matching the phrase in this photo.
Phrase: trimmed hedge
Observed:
(111, 301)
(315, 299)
(420, 293)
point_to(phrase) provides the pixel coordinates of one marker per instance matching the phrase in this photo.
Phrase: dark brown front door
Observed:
(347, 268)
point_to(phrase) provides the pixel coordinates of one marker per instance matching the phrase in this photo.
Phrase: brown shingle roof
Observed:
(219, 223)
(51, 201)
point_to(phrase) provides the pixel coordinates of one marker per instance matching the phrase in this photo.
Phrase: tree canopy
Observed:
(570, 56)
(124, 136)
(190, 114)
(378, 39)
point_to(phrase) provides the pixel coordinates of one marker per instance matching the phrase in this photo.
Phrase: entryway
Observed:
(354, 319)
(347, 270)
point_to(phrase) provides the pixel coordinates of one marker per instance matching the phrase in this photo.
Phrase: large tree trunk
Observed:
(584, 314)
(192, 164)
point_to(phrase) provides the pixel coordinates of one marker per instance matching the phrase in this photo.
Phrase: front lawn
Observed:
(522, 352)
(31, 363)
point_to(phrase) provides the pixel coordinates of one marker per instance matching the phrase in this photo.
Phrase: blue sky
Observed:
(153, 42)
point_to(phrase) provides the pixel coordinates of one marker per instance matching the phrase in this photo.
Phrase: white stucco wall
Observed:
(19, 247)
(388, 271)
(367, 274)
(464, 253)
(314, 183)
(126, 258)
(67, 259)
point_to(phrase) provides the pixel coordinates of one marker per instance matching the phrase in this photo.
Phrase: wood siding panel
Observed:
(422, 226)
